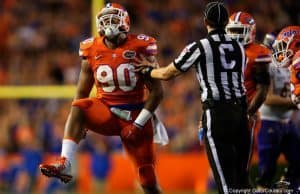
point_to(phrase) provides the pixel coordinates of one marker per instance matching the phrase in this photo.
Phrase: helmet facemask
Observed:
(282, 54)
(111, 22)
(240, 32)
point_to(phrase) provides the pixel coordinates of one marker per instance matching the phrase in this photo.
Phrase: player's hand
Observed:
(143, 65)
(131, 132)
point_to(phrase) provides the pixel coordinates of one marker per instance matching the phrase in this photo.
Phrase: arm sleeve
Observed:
(262, 60)
(262, 77)
(188, 56)
(147, 45)
(151, 49)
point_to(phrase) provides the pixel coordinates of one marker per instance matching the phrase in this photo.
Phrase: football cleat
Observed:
(60, 169)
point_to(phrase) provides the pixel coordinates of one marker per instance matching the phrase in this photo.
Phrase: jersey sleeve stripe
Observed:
(187, 57)
(266, 59)
(152, 47)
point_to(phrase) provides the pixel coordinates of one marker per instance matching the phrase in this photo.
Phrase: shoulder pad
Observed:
(84, 47)
(263, 54)
(260, 48)
(147, 43)
(264, 47)
(145, 38)
(86, 43)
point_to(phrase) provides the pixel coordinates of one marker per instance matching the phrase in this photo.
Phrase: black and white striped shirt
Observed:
(220, 63)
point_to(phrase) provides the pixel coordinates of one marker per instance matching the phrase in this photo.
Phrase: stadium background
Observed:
(39, 48)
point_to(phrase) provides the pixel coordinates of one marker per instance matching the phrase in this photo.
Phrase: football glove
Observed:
(131, 132)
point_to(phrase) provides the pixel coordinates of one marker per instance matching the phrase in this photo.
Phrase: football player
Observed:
(242, 27)
(120, 93)
(286, 56)
(295, 78)
(278, 133)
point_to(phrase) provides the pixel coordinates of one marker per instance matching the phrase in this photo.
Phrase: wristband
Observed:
(142, 118)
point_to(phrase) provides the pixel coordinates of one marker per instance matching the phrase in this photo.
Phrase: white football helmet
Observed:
(112, 20)
(241, 27)
(286, 45)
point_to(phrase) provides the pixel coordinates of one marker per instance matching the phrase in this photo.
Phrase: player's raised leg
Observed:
(61, 167)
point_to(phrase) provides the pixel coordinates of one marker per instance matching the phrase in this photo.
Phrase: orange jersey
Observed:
(256, 54)
(115, 80)
(295, 74)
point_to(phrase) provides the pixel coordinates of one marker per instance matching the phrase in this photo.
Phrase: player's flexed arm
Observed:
(242, 27)
(286, 55)
(156, 91)
(155, 96)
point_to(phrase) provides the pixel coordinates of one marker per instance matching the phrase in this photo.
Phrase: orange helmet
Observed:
(242, 27)
(286, 45)
(112, 20)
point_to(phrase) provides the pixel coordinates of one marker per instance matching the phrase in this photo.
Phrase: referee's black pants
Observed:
(228, 142)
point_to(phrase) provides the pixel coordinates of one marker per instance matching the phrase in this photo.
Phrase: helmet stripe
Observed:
(237, 16)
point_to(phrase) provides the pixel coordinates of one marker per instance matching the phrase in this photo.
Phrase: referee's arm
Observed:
(165, 73)
(181, 64)
(149, 68)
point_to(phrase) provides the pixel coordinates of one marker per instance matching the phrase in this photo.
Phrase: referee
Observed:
(219, 62)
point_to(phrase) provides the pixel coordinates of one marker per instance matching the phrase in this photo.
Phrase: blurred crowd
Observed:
(39, 43)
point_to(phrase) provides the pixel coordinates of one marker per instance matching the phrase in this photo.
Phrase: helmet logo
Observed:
(129, 54)
(251, 21)
(290, 33)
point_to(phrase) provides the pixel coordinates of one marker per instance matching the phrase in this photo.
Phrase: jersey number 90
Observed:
(125, 78)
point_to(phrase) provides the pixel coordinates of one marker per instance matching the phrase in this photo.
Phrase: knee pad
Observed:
(147, 175)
